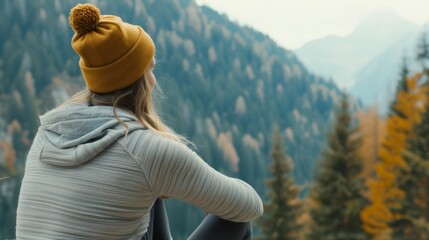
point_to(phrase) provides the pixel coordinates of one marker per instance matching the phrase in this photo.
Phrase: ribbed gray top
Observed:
(85, 180)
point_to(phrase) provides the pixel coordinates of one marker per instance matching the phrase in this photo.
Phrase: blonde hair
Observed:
(136, 98)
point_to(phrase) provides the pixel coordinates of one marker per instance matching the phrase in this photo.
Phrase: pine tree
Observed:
(280, 221)
(415, 183)
(338, 188)
(410, 222)
(383, 217)
(423, 51)
(401, 85)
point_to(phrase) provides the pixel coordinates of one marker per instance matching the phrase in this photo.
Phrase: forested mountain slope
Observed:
(224, 87)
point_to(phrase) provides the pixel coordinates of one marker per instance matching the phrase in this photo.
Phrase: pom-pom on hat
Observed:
(114, 54)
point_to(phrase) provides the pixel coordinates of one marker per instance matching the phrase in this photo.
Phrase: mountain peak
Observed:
(342, 57)
(383, 22)
(382, 15)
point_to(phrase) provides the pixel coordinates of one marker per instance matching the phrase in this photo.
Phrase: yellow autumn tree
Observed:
(372, 128)
(9, 154)
(385, 196)
(7, 151)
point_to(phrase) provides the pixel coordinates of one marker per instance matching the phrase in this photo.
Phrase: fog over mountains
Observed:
(367, 61)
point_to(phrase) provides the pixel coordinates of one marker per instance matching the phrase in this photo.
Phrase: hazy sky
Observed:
(292, 23)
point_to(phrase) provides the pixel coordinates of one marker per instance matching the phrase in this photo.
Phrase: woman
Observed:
(101, 162)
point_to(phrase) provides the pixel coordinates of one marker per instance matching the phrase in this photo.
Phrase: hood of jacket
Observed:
(77, 133)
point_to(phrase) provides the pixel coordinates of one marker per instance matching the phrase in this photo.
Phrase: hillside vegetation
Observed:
(224, 87)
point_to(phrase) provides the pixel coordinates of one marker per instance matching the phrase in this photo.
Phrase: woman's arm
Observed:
(173, 170)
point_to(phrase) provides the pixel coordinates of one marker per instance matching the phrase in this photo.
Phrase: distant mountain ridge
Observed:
(342, 57)
(376, 81)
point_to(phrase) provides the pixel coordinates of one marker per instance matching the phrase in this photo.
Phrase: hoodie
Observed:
(88, 176)
(78, 133)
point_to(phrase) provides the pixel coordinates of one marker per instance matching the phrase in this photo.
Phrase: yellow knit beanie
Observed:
(113, 54)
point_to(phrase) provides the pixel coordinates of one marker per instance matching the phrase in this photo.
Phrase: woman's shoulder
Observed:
(144, 135)
(144, 142)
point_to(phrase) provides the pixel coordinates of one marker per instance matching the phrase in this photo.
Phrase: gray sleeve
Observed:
(175, 171)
